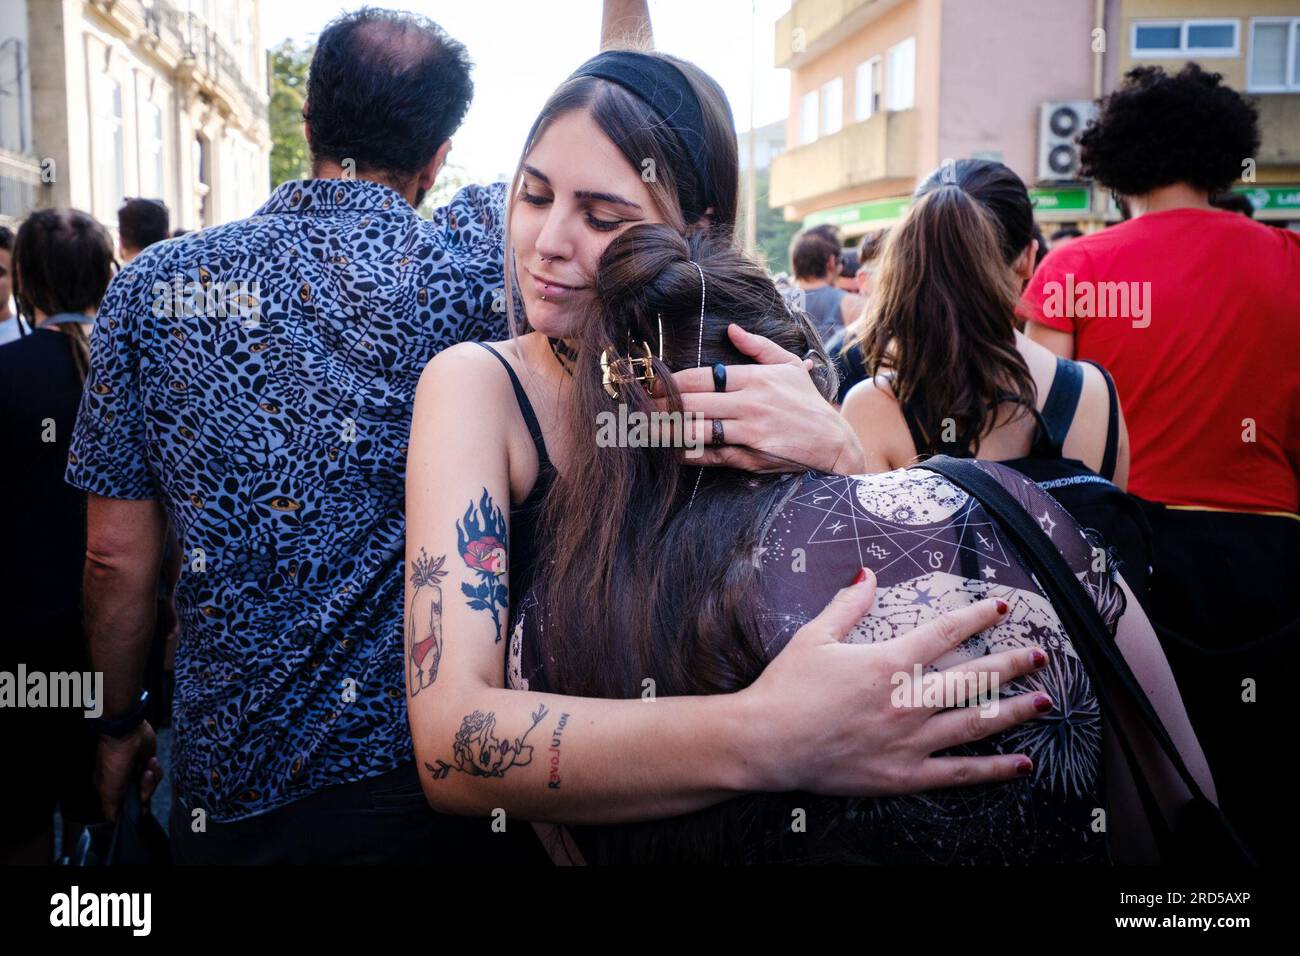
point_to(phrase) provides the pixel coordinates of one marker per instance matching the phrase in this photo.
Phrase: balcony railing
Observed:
(199, 42)
(880, 147)
(811, 26)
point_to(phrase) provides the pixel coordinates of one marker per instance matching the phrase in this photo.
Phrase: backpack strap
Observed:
(1118, 691)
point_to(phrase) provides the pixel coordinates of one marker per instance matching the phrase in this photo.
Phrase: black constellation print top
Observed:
(934, 549)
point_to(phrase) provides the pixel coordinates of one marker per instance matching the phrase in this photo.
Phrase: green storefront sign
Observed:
(1060, 199)
(1272, 198)
(882, 212)
(1050, 202)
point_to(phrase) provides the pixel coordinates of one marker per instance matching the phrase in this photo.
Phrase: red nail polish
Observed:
(1042, 703)
(1002, 607)
(1024, 766)
(862, 576)
(1039, 658)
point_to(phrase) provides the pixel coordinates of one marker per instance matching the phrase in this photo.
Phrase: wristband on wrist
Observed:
(118, 726)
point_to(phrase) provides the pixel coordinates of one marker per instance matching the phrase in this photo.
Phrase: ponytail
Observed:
(941, 320)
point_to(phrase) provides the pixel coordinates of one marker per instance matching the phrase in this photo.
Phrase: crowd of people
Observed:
(354, 500)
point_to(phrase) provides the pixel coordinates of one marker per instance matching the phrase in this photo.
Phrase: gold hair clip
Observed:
(620, 370)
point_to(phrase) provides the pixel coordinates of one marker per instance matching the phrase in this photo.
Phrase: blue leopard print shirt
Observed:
(257, 378)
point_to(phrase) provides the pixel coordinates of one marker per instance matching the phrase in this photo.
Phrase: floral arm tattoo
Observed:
(424, 622)
(478, 751)
(481, 541)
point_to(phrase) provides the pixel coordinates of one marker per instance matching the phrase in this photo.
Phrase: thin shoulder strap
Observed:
(1111, 454)
(525, 407)
(1062, 400)
(918, 437)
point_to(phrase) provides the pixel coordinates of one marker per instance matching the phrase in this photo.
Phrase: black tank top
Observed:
(522, 555)
(1053, 422)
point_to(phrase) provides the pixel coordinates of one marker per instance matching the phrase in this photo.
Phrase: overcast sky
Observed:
(523, 50)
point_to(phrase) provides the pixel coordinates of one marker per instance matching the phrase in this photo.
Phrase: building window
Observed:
(108, 150)
(152, 183)
(1274, 59)
(200, 156)
(901, 91)
(1177, 38)
(808, 117)
(866, 95)
(832, 106)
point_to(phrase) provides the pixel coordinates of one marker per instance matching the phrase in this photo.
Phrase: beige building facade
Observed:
(884, 91)
(163, 99)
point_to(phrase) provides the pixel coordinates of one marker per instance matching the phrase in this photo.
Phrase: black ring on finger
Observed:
(719, 377)
(718, 437)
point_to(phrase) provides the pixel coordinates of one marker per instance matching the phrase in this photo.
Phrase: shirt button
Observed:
(338, 196)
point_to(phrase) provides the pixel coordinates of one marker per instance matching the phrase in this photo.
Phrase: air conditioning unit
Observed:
(1059, 124)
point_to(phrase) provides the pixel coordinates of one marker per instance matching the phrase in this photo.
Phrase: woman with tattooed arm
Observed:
(486, 441)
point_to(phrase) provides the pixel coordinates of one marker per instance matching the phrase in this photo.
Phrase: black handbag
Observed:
(135, 838)
(1201, 833)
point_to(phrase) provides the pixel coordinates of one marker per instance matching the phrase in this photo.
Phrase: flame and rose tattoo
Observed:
(481, 541)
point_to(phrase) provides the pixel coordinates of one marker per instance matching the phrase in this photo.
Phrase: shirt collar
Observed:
(327, 196)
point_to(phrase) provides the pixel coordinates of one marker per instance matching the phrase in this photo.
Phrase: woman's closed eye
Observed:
(594, 221)
(533, 199)
(604, 225)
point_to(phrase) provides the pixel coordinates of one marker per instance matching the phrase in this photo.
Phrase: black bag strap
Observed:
(1082, 621)
(1111, 455)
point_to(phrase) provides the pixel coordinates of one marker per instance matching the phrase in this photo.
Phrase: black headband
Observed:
(665, 89)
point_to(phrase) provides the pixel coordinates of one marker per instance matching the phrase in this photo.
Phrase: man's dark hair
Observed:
(811, 249)
(1157, 130)
(1067, 232)
(1233, 202)
(6, 238)
(385, 89)
(142, 222)
(871, 246)
(848, 263)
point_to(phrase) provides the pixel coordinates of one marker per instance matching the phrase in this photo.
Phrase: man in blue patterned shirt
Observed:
(252, 384)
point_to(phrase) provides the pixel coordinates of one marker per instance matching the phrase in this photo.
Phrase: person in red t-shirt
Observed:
(1196, 313)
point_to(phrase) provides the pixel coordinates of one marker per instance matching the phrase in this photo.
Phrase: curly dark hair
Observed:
(385, 89)
(1157, 130)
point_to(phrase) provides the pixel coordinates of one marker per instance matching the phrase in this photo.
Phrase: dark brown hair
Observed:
(142, 222)
(810, 251)
(941, 322)
(62, 262)
(640, 135)
(660, 586)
